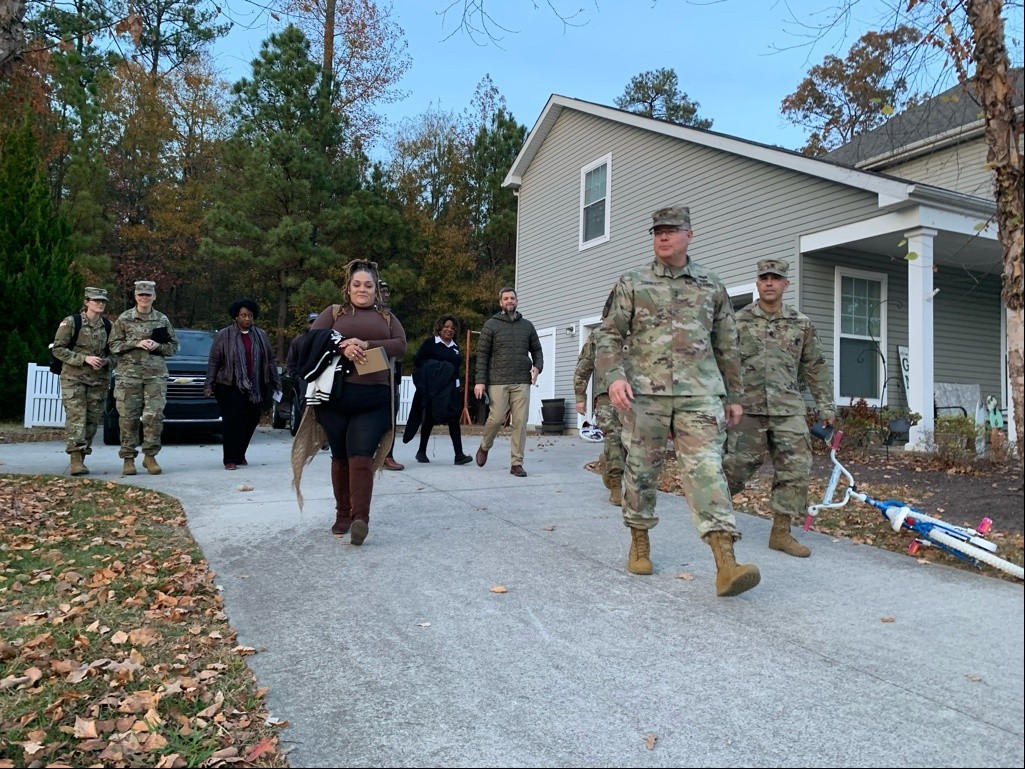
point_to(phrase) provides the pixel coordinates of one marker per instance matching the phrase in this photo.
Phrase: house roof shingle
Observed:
(951, 117)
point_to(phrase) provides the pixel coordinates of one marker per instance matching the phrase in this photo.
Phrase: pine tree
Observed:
(41, 285)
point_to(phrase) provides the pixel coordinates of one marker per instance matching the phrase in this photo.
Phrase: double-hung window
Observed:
(595, 185)
(860, 341)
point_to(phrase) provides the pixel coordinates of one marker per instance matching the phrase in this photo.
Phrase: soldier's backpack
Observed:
(56, 364)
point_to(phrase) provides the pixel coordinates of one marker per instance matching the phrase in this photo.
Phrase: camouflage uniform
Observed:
(83, 388)
(778, 353)
(604, 412)
(670, 333)
(140, 385)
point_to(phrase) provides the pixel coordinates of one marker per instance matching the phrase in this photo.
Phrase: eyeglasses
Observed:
(663, 230)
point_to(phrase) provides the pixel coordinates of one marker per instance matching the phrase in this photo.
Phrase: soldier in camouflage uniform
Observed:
(668, 348)
(84, 376)
(604, 413)
(141, 338)
(779, 351)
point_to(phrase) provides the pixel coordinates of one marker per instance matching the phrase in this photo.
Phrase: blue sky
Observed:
(737, 58)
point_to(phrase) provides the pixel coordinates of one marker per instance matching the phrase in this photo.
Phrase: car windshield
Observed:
(195, 344)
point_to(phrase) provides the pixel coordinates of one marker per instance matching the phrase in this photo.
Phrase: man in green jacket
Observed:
(779, 351)
(509, 358)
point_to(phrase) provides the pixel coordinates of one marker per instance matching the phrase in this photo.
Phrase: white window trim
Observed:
(605, 160)
(743, 289)
(839, 274)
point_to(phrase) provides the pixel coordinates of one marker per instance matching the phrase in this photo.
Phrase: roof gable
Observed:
(892, 192)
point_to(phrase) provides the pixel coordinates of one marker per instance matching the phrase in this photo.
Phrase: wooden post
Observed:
(464, 418)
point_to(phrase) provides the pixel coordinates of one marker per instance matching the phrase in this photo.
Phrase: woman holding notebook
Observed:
(358, 419)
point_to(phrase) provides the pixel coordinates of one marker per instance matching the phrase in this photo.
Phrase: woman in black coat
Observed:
(438, 364)
(242, 373)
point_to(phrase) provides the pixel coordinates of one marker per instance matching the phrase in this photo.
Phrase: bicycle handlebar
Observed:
(827, 434)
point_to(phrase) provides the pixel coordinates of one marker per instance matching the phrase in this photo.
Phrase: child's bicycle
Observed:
(968, 544)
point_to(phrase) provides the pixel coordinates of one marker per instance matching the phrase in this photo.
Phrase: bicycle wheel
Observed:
(978, 554)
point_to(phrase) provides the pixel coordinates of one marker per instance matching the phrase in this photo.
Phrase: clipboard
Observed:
(376, 360)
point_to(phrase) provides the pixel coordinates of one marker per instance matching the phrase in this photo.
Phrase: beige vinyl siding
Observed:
(957, 168)
(966, 315)
(558, 284)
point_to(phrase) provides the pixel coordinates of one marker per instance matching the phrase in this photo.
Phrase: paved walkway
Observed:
(398, 653)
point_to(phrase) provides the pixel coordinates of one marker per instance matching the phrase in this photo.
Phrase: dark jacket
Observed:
(507, 348)
(222, 364)
(438, 368)
(436, 394)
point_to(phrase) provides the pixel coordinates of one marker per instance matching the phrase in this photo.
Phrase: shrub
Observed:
(955, 439)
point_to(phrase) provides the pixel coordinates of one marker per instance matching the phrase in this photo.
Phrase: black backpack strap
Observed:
(78, 327)
(106, 344)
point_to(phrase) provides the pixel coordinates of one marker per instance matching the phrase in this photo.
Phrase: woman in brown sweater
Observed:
(359, 424)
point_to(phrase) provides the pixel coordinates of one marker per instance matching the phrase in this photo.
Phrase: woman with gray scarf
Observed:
(242, 373)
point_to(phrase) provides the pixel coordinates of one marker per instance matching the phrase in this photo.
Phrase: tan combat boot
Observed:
(781, 539)
(78, 463)
(639, 559)
(730, 578)
(150, 463)
(128, 467)
(615, 485)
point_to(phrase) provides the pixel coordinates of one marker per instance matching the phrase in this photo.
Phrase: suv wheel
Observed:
(111, 429)
(297, 416)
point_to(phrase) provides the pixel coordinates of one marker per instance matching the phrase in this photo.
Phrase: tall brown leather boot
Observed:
(78, 463)
(781, 539)
(361, 490)
(730, 578)
(343, 506)
(639, 559)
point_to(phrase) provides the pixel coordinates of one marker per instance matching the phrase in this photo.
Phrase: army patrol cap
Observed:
(145, 287)
(671, 216)
(91, 292)
(773, 267)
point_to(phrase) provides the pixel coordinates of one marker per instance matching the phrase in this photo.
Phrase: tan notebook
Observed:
(376, 360)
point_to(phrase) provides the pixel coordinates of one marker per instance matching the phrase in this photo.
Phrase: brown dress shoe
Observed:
(391, 464)
(481, 458)
(518, 471)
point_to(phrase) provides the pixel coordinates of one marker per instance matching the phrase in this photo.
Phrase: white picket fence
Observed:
(44, 407)
(43, 404)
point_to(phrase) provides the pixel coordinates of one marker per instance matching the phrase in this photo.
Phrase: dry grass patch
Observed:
(116, 650)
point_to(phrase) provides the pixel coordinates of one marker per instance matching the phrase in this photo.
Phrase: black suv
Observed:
(288, 411)
(186, 403)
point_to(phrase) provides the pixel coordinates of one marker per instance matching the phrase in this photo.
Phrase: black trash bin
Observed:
(553, 416)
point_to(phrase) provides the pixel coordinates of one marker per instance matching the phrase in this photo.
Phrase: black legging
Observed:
(356, 423)
(240, 417)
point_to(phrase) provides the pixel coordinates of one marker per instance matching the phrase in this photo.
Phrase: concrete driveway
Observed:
(399, 653)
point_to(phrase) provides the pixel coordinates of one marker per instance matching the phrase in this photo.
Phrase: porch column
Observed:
(921, 396)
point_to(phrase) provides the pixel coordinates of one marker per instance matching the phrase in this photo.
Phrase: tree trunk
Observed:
(1003, 132)
(330, 9)
(12, 33)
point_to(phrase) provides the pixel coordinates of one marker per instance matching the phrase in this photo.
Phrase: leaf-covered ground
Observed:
(960, 493)
(115, 647)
